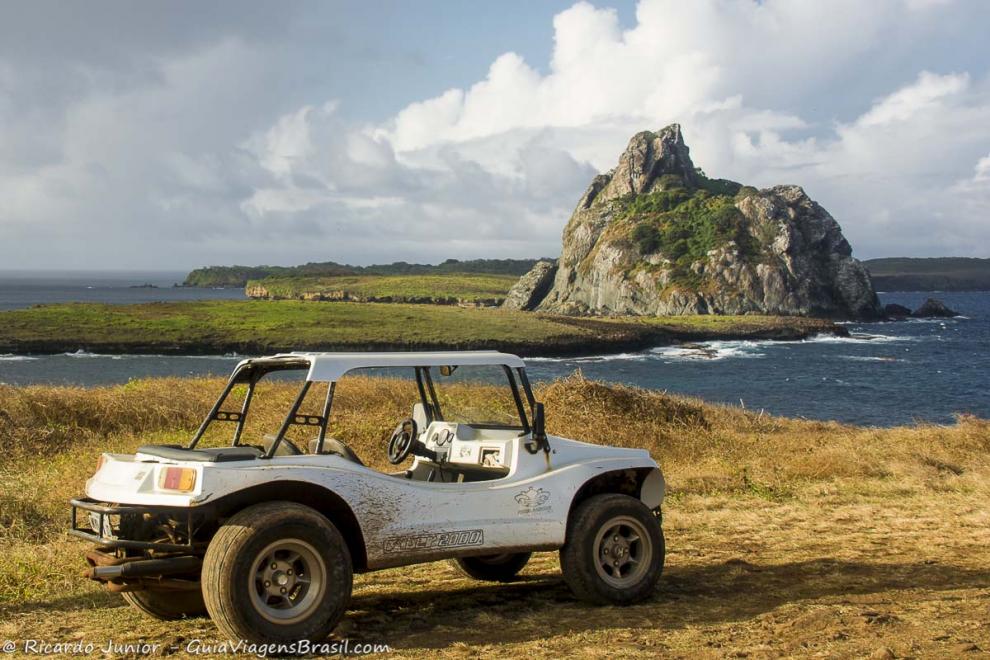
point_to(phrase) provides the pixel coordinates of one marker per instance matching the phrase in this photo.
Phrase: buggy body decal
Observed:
(419, 542)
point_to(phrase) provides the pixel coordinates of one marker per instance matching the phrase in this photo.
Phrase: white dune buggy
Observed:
(265, 537)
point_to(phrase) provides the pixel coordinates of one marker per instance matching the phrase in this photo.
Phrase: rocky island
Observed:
(655, 253)
(656, 237)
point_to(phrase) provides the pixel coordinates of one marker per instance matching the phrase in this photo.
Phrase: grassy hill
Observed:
(784, 537)
(256, 326)
(481, 289)
(238, 276)
(934, 274)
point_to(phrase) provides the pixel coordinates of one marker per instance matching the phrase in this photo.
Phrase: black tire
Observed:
(493, 568)
(242, 595)
(587, 557)
(167, 605)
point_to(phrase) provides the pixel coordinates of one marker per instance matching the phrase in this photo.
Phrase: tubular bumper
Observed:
(102, 515)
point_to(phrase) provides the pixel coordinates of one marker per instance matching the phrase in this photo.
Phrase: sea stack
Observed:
(655, 236)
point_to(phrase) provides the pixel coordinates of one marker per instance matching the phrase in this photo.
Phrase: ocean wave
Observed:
(10, 357)
(711, 350)
(870, 358)
(86, 355)
(137, 356)
(937, 319)
(593, 358)
(728, 349)
(855, 338)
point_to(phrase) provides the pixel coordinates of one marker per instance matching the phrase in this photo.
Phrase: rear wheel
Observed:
(494, 568)
(167, 605)
(277, 572)
(614, 552)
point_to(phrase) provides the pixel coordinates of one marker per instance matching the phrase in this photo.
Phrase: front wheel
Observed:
(494, 568)
(277, 572)
(614, 552)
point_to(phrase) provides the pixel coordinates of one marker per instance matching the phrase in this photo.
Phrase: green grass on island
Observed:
(449, 288)
(256, 326)
(236, 276)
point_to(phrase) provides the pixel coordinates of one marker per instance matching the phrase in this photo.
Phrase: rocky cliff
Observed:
(655, 236)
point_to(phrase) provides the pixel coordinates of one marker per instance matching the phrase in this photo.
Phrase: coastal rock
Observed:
(655, 236)
(895, 311)
(531, 287)
(933, 308)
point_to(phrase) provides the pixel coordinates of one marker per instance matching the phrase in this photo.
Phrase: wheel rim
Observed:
(623, 551)
(287, 581)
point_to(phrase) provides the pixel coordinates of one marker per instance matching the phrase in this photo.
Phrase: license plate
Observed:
(94, 524)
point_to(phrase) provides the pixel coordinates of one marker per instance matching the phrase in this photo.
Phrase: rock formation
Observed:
(933, 308)
(895, 311)
(655, 236)
(531, 287)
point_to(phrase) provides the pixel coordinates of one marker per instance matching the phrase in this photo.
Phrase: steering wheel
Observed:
(400, 445)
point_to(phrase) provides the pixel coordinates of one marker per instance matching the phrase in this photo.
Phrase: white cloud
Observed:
(738, 77)
(879, 109)
(924, 94)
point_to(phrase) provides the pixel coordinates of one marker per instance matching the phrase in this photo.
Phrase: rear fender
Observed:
(327, 502)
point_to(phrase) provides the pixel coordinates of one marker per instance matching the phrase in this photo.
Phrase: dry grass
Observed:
(786, 537)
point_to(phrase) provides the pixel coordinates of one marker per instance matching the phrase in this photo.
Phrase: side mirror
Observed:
(539, 431)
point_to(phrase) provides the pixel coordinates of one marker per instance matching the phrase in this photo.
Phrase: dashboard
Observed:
(465, 445)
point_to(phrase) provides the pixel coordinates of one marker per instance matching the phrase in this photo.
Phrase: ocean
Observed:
(20, 289)
(885, 374)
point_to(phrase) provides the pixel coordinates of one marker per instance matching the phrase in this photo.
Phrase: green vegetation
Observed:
(684, 224)
(934, 274)
(440, 288)
(251, 326)
(236, 276)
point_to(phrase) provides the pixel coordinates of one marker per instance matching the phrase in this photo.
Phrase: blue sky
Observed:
(172, 135)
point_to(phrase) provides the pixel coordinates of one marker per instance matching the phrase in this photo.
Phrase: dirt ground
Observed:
(822, 576)
(785, 538)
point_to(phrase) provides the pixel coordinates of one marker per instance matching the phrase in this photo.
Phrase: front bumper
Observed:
(107, 519)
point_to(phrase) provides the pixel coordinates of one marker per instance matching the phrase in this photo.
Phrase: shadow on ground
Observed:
(704, 595)
(411, 611)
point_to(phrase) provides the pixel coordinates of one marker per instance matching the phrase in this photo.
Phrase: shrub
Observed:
(686, 224)
(646, 237)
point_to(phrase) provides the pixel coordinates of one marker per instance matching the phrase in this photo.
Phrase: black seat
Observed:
(210, 455)
(334, 446)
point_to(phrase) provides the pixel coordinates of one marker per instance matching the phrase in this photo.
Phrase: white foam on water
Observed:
(10, 357)
(728, 349)
(711, 350)
(86, 355)
(81, 354)
(855, 338)
(870, 358)
(638, 357)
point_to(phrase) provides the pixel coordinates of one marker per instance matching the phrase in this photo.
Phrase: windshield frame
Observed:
(524, 424)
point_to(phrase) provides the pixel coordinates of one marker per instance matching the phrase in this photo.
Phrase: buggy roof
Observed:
(331, 366)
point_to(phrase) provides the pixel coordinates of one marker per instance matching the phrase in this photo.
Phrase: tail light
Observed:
(179, 479)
